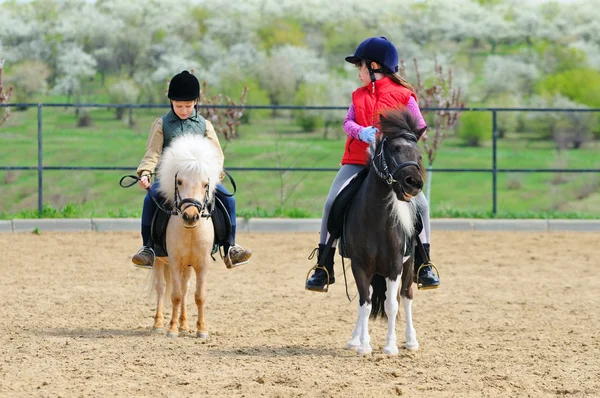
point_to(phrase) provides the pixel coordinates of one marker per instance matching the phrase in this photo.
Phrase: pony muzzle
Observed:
(190, 219)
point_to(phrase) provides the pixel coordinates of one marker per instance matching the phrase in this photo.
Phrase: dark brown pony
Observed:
(380, 228)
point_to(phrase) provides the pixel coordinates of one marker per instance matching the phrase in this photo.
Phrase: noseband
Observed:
(190, 202)
(384, 173)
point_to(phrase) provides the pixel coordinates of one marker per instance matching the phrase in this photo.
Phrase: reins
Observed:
(203, 208)
(135, 179)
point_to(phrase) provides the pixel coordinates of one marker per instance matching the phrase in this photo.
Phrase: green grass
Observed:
(272, 143)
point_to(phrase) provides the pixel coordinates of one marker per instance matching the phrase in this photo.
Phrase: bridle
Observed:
(383, 171)
(203, 207)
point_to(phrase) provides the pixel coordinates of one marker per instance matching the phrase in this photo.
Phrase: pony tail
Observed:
(378, 297)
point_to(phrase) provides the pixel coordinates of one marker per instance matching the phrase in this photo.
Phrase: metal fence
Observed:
(494, 170)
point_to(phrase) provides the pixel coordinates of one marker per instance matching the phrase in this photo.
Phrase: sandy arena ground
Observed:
(518, 314)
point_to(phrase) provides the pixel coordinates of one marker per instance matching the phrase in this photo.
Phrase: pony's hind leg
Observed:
(391, 310)
(411, 334)
(360, 337)
(354, 341)
(364, 311)
(160, 285)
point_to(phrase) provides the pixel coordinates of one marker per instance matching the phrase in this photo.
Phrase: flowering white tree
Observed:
(284, 70)
(507, 74)
(73, 66)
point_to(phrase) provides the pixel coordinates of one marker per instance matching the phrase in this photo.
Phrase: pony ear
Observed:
(421, 132)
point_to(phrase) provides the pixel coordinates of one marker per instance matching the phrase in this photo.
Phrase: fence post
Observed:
(494, 163)
(40, 167)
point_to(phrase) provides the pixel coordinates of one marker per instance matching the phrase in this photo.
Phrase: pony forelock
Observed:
(192, 158)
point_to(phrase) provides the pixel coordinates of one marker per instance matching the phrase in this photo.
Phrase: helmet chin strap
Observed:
(372, 74)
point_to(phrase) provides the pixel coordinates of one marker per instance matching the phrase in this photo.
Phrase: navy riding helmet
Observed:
(184, 87)
(376, 49)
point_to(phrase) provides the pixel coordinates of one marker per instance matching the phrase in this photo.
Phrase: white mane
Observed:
(193, 158)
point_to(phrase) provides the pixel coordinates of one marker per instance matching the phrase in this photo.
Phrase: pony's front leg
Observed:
(185, 283)
(200, 298)
(176, 298)
(201, 330)
(411, 334)
(391, 310)
(160, 285)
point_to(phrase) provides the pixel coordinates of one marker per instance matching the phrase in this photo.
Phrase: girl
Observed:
(184, 91)
(377, 61)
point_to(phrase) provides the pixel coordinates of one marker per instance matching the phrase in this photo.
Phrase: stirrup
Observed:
(326, 287)
(437, 273)
(145, 266)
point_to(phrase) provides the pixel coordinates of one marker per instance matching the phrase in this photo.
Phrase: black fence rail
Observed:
(494, 170)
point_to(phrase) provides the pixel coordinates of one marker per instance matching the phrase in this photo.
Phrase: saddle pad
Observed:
(221, 226)
(337, 214)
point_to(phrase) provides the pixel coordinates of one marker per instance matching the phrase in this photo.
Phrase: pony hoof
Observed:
(391, 351)
(412, 347)
(157, 330)
(352, 347)
(172, 334)
(364, 351)
(202, 335)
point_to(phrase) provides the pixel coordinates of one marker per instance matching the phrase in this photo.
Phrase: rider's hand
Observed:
(368, 134)
(144, 181)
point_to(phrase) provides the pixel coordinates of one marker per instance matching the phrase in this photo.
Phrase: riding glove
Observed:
(368, 134)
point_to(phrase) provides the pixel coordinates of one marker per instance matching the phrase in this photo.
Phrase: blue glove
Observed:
(368, 134)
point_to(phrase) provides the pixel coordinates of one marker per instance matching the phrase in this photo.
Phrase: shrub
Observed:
(474, 128)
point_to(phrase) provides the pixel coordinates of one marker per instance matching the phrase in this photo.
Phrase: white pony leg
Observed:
(354, 341)
(411, 334)
(391, 310)
(363, 317)
(365, 340)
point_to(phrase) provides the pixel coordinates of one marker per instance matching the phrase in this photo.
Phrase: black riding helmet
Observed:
(184, 87)
(376, 49)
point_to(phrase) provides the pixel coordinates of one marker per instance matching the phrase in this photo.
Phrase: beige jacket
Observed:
(154, 146)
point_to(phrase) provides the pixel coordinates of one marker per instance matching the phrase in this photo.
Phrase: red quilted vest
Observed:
(367, 108)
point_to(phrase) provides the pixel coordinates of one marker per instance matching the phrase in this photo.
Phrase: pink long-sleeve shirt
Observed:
(353, 129)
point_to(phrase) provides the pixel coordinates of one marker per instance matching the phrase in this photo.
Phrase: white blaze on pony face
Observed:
(195, 160)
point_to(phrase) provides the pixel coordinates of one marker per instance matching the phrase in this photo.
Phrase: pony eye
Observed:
(179, 182)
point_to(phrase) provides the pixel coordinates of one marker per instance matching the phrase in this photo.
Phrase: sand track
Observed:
(518, 314)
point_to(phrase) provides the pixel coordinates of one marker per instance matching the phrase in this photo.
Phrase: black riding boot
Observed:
(318, 280)
(427, 279)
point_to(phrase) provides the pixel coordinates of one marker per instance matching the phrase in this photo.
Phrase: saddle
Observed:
(219, 216)
(341, 203)
(339, 209)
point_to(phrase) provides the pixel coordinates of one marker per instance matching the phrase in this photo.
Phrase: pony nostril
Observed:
(411, 182)
(196, 217)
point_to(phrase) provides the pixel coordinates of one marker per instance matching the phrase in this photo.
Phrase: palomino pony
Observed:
(188, 172)
(379, 231)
